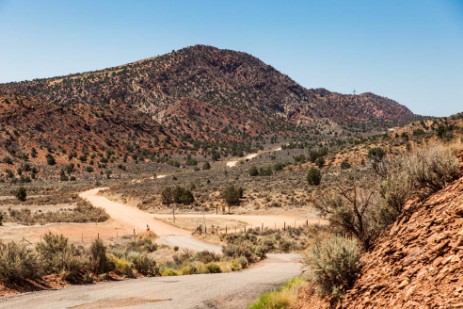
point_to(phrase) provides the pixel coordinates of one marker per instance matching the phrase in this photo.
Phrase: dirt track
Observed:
(134, 218)
(228, 290)
(232, 163)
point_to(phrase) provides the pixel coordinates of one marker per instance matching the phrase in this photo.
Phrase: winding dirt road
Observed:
(227, 290)
(134, 218)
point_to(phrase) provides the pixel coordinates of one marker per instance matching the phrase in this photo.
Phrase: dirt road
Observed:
(134, 218)
(232, 163)
(227, 291)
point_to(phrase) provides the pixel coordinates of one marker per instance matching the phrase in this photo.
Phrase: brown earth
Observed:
(419, 263)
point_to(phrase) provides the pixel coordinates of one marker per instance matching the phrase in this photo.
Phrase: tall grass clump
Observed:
(334, 265)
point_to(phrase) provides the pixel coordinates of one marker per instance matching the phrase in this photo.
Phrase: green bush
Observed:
(314, 176)
(232, 195)
(376, 154)
(17, 262)
(50, 159)
(213, 268)
(253, 171)
(21, 194)
(99, 261)
(206, 166)
(145, 265)
(334, 266)
(56, 253)
(178, 195)
(7, 160)
(345, 165)
(122, 266)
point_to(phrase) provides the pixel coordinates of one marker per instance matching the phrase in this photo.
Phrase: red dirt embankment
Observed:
(419, 264)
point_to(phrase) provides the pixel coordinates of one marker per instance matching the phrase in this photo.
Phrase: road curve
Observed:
(137, 219)
(227, 290)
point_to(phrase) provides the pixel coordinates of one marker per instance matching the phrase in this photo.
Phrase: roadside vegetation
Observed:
(80, 211)
(360, 211)
(285, 297)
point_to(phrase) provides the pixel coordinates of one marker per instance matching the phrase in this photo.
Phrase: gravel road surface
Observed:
(224, 291)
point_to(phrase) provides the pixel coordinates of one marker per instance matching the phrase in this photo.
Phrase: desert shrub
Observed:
(7, 160)
(206, 256)
(84, 212)
(345, 164)
(185, 256)
(395, 189)
(50, 159)
(432, 168)
(122, 266)
(314, 176)
(351, 210)
(170, 272)
(334, 266)
(376, 154)
(78, 270)
(190, 161)
(279, 166)
(265, 171)
(56, 253)
(247, 246)
(99, 261)
(189, 269)
(206, 166)
(320, 162)
(145, 265)
(213, 268)
(17, 262)
(177, 194)
(243, 262)
(142, 245)
(253, 171)
(21, 194)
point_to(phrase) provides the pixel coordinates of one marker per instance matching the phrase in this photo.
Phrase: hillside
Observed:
(215, 76)
(197, 98)
(419, 262)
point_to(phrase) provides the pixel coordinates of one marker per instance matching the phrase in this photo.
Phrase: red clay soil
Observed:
(48, 282)
(419, 264)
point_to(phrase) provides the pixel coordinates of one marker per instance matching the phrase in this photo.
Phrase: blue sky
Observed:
(408, 50)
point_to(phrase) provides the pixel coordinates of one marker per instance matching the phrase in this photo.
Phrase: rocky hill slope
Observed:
(419, 263)
(194, 99)
(214, 76)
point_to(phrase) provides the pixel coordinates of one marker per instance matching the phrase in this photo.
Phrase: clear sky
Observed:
(408, 50)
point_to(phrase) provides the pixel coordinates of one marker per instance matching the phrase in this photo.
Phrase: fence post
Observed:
(284, 226)
(226, 230)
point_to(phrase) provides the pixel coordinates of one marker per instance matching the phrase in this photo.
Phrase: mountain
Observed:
(197, 97)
